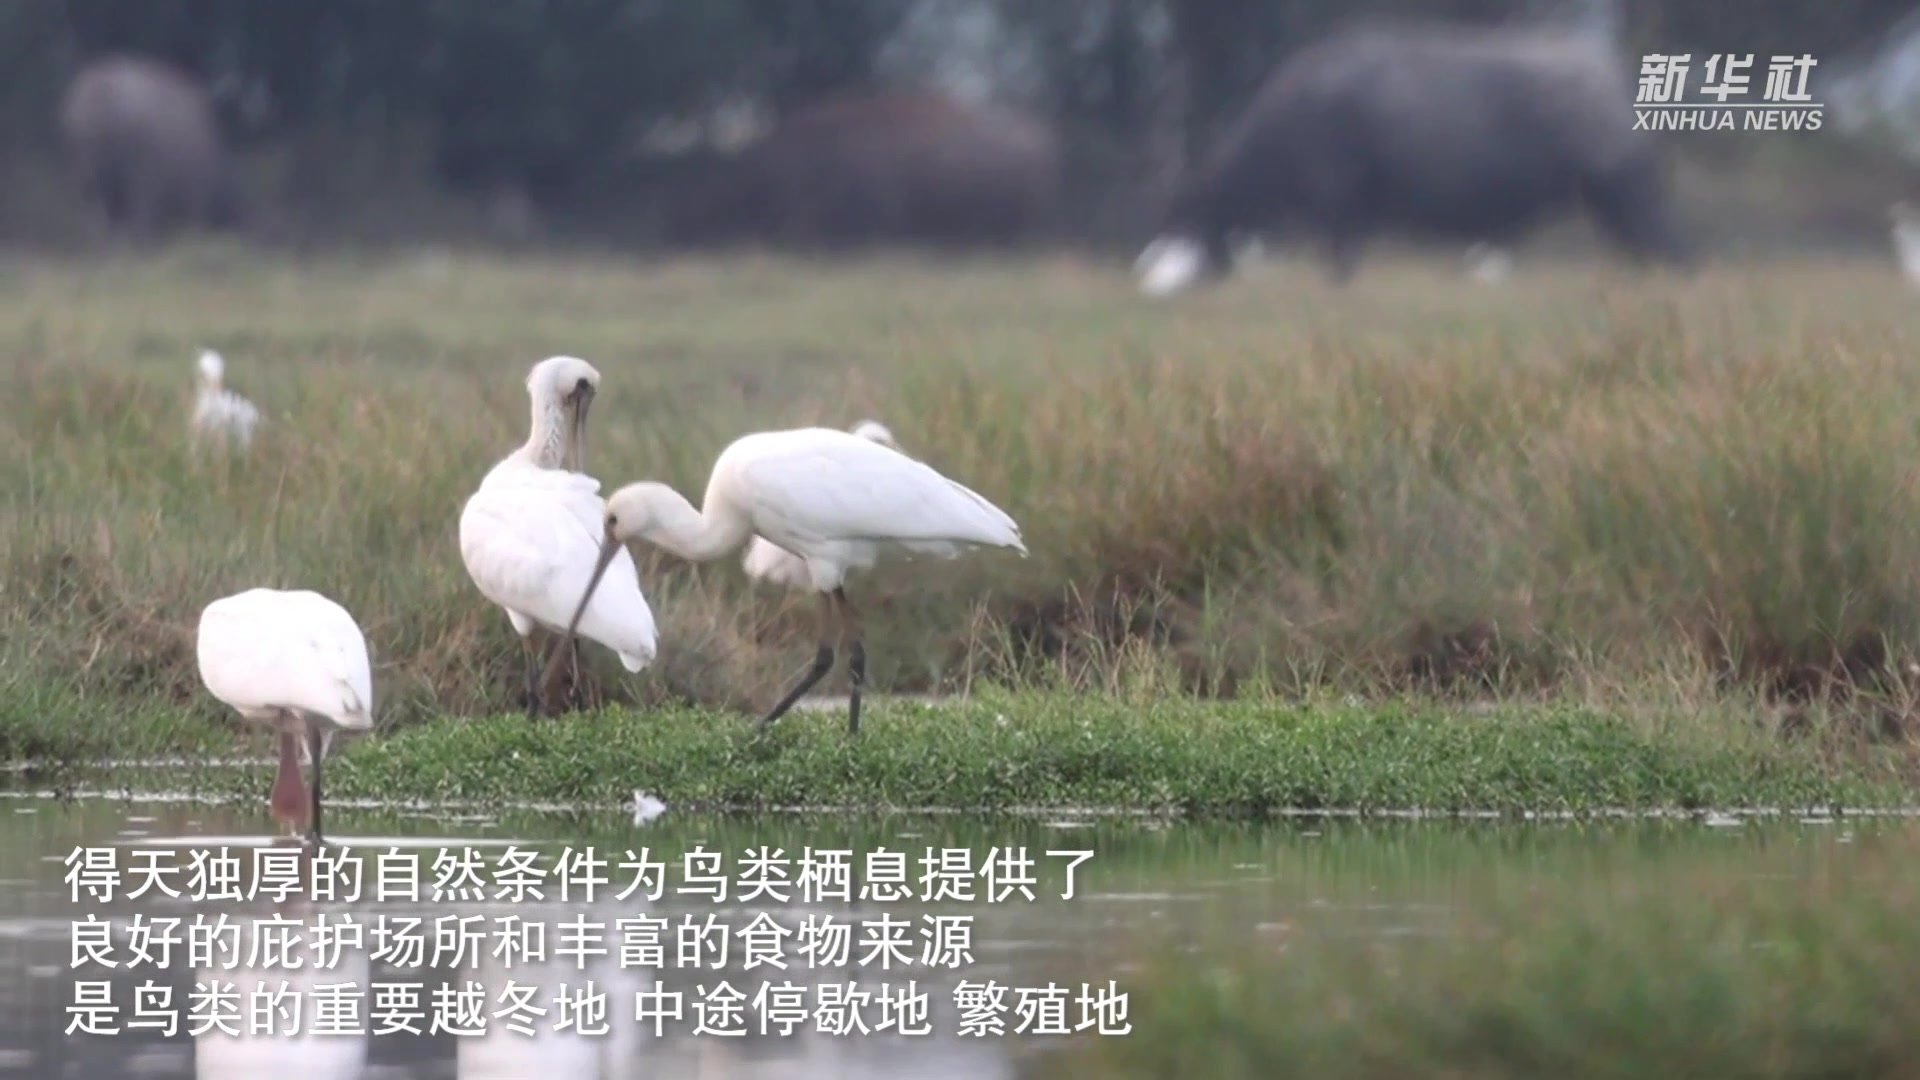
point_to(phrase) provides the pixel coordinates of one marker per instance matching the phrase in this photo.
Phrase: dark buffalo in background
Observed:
(145, 140)
(1432, 132)
(879, 168)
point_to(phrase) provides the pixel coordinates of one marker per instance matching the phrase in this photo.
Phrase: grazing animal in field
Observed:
(838, 501)
(220, 415)
(881, 168)
(530, 534)
(766, 561)
(1906, 240)
(298, 661)
(1441, 133)
(144, 139)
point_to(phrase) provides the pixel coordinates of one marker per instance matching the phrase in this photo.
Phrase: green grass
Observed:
(1591, 490)
(1007, 752)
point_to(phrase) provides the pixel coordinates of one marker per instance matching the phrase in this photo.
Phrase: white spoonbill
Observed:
(529, 536)
(561, 390)
(766, 561)
(220, 414)
(297, 660)
(838, 501)
(1906, 239)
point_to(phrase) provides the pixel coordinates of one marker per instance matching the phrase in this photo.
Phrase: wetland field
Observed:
(1448, 679)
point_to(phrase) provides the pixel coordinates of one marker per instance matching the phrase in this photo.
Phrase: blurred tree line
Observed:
(559, 96)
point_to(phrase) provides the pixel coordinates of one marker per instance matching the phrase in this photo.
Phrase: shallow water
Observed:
(1263, 887)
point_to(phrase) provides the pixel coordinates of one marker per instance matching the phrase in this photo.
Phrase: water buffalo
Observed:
(877, 168)
(148, 149)
(1437, 133)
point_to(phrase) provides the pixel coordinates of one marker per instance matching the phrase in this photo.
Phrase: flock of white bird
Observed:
(812, 505)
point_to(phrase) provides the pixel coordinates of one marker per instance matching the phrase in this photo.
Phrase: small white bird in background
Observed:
(1487, 264)
(1169, 265)
(645, 807)
(530, 535)
(838, 501)
(220, 414)
(1906, 239)
(297, 660)
(768, 562)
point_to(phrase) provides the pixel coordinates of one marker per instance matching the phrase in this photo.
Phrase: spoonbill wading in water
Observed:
(776, 565)
(296, 660)
(219, 414)
(530, 535)
(838, 501)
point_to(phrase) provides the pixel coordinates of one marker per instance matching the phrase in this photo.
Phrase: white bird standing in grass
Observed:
(838, 501)
(298, 661)
(530, 535)
(218, 413)
(1487, 264)
(766, 561)
(1906, 240)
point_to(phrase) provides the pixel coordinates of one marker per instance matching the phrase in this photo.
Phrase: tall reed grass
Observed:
(1585, 480)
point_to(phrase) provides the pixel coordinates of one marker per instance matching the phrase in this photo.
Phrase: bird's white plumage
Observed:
(836, 500)
(841, 502)
(218, 413)
(1169, 264)
(529, 538)
(1487, 264)
(550, 436)
(876, 432)
(768, 562)
(266, 650)
(1906, 240)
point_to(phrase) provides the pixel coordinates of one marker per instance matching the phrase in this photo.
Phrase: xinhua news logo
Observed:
(1725, 98)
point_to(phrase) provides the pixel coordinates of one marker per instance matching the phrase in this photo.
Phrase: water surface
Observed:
(1254, 887)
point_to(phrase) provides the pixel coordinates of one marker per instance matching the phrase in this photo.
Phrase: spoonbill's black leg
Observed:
(532, 654)
(315, 747)
(573, 671)
(822, 662)
(854, 638)
(546, 676)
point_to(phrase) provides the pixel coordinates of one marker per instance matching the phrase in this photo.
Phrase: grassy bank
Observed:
(1013, 751)
(1586, 481)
